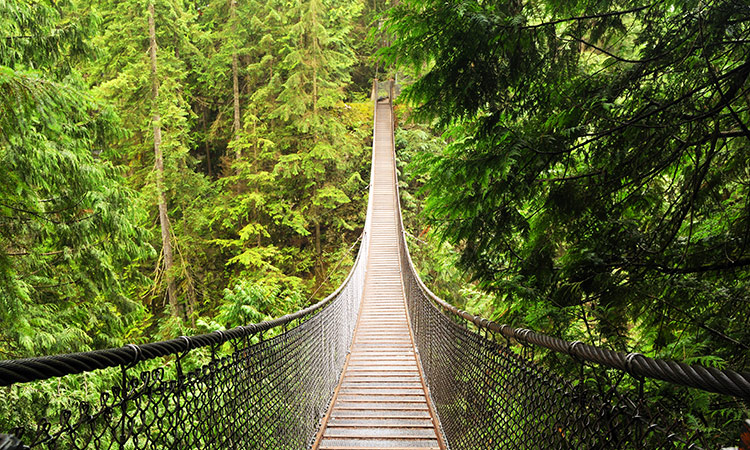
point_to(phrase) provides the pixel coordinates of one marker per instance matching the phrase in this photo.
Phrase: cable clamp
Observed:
(629, 363)
(137, 355)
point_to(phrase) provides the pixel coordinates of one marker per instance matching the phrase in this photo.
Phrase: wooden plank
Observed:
(381, 401)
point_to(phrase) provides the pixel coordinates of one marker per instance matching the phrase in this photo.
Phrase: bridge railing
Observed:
(269, 391)
(260, 386)
(488, 395)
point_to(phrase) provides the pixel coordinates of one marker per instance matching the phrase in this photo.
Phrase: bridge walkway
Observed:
(381, 400)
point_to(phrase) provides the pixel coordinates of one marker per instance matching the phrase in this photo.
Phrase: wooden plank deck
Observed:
(381, 400)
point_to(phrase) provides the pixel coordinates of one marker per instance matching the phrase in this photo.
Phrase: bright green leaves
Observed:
(271, 200)
(297, 142)
(257, 258)
(242, 305)
(316, 61)
(41, 35)
(253, 302)
(591, 178)
(329, 197)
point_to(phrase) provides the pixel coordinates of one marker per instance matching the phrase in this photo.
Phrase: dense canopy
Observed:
(171, 168)
(597, 168)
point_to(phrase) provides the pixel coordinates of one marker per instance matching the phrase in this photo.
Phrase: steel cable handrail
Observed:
(486, 393)
(40, 368)
(277, 387)
(728, 382)
(25, 370)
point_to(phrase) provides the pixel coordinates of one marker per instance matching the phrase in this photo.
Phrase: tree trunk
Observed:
(316, 48)
(317, 240)
(166, 234)
(235, 76)
(319, 253)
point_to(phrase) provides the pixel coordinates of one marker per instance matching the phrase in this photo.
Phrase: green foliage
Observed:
(599, 160)
(436, 260)
(299, 178)
(38, 35)
(251, 302)
(66, 229)
(265, 204)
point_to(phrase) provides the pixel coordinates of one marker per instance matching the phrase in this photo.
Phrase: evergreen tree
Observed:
(166, 229)
(315, 69)
(168, 86)
(151, 91)
(66, 222)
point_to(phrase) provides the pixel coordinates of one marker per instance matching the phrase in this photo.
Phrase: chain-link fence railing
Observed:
(489, 391)
(262, 386)
(265, 393)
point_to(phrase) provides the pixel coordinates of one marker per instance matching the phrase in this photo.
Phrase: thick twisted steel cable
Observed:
(277, 386)
(726, 382)
(39, 368)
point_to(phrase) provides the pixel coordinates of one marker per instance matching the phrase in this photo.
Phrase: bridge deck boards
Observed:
(381, 401)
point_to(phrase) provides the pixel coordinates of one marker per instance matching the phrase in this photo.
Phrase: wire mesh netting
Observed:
(490, 393)
(262, 386)
(264, 393)
(267, 386)
(487, 395)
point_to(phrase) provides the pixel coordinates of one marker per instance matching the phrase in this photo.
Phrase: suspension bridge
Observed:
(381, 363)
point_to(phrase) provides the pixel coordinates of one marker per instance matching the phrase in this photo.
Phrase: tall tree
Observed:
(316, 67)
(147, 77)
(235, 77)
(166, 231)
(217, 75)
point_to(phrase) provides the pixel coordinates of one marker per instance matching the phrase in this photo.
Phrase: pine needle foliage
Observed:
(596, 176)
(66, 227)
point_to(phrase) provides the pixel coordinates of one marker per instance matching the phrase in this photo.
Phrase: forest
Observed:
(171, 166)
(580, 168)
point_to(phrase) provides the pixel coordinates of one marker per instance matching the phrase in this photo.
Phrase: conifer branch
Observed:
(590, 16)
